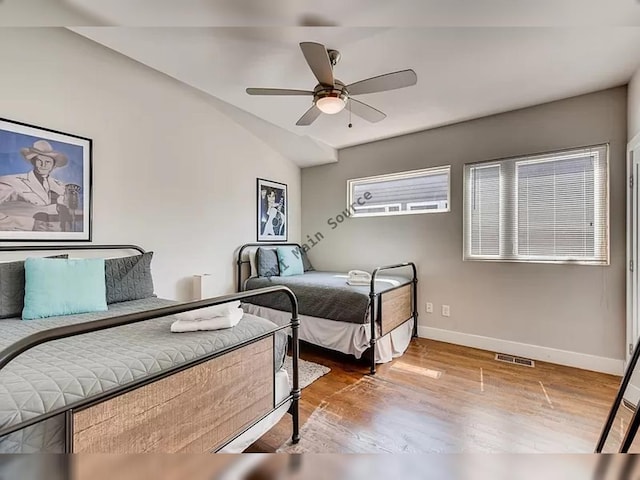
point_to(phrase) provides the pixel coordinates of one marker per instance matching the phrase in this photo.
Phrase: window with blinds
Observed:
(418, 191)
(541, 208)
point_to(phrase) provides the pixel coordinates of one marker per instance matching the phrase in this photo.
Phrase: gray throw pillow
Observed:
(128, 278)
(267, 262)
(12, 288)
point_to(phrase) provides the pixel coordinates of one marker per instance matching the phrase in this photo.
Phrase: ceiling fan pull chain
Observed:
(350, 124)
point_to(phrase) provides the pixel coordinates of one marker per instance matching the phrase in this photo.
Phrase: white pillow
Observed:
(252, 261)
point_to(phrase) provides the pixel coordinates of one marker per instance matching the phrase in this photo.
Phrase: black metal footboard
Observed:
(373, 296)
(634, 425)
(27, 343)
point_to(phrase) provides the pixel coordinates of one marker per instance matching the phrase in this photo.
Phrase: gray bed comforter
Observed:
(65, 371)
(323, 294)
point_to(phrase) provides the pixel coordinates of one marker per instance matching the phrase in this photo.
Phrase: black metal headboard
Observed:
(240, 261)
(75, 246)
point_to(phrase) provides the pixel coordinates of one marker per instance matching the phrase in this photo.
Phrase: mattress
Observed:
(63, 372)
(323, 294)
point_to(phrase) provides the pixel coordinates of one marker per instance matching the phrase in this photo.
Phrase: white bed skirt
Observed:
(350, 338)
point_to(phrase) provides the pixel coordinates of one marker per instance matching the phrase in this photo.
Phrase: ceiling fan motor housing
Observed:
(338, 90)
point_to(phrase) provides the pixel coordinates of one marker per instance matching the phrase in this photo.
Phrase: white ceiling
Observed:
(462, 72)
(346, 13)
(469, 59)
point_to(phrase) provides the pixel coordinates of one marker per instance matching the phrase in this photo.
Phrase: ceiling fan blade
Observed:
(318, 60)
(365, 111)
(309, 116)
(381, 83)
(277, 91)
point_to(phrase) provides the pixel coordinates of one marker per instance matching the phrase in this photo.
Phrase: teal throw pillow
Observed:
(63, 287)
(290, 261)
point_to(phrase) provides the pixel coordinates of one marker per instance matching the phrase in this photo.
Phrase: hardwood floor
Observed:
(440, 397)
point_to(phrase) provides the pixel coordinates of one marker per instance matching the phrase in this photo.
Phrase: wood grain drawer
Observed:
(193, 411)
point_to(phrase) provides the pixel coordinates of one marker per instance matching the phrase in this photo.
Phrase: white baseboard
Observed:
(584, 361)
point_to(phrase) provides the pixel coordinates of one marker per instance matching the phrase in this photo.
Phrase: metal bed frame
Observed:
(632, 429)
(44, 336)
(373, 295)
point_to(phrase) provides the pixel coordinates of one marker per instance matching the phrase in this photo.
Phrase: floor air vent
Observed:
(501, 357)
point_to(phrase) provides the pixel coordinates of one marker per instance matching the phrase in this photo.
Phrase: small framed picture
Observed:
(45, 184)
(272, 211)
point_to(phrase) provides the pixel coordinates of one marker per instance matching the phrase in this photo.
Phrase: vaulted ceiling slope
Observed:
(472, 58)
(463, 73)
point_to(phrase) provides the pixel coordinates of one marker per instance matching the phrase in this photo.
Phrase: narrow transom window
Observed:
(418, 191)
(540, 208)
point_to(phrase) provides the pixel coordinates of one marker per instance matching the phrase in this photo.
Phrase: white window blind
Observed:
(485, 211)
(543, 208)
(418, 191)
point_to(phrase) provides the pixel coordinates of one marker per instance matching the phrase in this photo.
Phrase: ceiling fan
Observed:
(331, 95)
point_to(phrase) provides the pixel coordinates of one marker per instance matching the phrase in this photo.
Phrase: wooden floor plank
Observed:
(435, 399)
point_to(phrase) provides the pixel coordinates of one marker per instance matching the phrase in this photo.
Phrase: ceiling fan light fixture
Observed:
(331, 104)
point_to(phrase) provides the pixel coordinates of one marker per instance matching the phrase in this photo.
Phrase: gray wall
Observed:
(567, 307)
(171, 172)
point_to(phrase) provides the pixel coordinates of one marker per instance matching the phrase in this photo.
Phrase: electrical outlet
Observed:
(429, 307)
(446, 312)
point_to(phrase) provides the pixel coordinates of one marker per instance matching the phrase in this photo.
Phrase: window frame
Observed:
(511, 223)
(397, 176)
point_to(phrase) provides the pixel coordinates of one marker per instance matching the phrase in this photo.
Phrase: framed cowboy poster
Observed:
(45, 184)
(272, 211)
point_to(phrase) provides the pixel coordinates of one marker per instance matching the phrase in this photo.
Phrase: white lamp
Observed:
(331, 104)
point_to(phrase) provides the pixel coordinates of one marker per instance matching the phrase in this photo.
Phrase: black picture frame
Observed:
(271, 211)
(45, 184)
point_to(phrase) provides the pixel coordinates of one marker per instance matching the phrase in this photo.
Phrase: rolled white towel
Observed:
(210, 312)
(359, 275)
(366, 283)
(209, 323)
